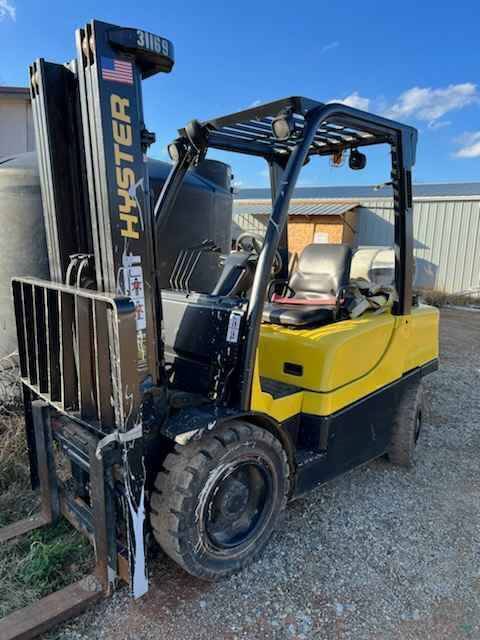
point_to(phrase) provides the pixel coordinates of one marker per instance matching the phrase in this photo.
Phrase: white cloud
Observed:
(255, 103)
(470, 145)
(355, 100)
(329, 46)
(439, 124)
(7, 10)
(425, 103)
(420, 103)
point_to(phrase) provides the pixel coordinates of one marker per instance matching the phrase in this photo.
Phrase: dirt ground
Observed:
(380, 554)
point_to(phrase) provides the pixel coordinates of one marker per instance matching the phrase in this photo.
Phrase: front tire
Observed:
(407, 426)
(217, 500)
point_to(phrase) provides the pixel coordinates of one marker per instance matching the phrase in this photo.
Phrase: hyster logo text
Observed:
(125, 175)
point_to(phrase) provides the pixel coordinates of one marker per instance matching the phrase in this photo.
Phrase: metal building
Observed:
(16, 124)
(446, 226)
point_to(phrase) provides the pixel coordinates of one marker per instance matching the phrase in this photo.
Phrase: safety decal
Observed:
(117, 70)
(233, 327)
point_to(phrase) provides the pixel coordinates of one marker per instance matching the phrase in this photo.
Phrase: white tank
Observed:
(23, 250)
(375, 264)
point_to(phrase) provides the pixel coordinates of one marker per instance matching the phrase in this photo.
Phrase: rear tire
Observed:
(217, 500)
(407, 426)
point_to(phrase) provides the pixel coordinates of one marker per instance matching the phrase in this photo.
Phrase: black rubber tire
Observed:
(185, 485)
(407, 426)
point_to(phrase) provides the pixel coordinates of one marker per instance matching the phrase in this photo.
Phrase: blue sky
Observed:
(417, 61)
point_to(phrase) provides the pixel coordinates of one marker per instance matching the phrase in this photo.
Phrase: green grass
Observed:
(44, 560)
(41, 562)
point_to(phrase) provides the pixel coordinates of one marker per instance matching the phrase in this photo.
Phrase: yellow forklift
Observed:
(192, 417)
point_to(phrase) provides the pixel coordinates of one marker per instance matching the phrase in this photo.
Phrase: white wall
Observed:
(16, 125)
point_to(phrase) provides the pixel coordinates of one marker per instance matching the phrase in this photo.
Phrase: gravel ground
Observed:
(380, 554)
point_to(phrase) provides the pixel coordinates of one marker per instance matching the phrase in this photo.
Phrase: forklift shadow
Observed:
(171, 587)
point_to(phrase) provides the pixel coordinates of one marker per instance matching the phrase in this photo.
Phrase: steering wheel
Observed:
(252, 242)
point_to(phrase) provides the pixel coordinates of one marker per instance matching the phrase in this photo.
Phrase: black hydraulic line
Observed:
(403, 230)
(161, 213)
(170, 190)
(276, 168)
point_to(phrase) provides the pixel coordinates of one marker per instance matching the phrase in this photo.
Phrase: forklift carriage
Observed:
(190, 417)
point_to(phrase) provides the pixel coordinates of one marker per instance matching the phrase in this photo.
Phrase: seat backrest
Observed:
(322, 269)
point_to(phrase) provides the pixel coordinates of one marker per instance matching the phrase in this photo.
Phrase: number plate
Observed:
(146, 46)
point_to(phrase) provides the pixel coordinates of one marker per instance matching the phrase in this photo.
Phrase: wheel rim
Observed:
(238, 504)
(418, 425)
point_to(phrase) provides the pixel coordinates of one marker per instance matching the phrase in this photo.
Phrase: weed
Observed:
(47, 559)
(41, 562)
(13, 452)
(54, 558)
(442, 298)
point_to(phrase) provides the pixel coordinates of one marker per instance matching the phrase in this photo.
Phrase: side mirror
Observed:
(357, 160)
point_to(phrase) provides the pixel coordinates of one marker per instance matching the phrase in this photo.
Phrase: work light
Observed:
(283, 126)
(176, 150)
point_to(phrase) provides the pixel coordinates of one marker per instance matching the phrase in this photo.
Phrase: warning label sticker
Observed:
(233, 327)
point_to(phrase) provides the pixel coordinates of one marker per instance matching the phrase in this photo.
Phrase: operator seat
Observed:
(317, 284)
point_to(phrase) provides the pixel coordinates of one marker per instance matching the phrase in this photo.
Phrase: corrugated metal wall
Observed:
(447, 239)
(16, 125)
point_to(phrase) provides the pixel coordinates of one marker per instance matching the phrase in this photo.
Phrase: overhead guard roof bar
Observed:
(342, 127)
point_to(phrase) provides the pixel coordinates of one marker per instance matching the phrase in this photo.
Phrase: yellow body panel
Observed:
(342, 362)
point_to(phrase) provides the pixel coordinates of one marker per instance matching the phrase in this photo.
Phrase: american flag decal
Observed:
(117, 70)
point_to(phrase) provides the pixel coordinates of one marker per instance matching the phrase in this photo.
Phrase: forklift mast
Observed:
(102, 144)
(82, 332)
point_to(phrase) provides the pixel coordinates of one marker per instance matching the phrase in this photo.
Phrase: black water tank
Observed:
(202, 212)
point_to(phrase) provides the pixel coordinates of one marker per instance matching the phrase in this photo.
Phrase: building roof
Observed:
(296, 208)
(15, 92)
(443, 190)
